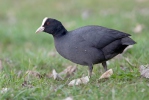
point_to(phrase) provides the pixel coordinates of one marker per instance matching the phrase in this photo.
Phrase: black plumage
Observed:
(87, 45)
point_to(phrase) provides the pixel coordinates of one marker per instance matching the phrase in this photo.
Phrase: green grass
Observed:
(21, 49)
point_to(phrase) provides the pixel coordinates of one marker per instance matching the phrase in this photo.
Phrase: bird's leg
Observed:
(90, 67)
(104, 64)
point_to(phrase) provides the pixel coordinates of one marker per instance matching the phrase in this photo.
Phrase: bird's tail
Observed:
(127, 41)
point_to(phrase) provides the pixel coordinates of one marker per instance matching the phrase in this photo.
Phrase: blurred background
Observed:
(24, 49)
(21, 49)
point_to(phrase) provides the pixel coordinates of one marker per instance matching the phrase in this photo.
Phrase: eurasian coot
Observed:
(86, 45)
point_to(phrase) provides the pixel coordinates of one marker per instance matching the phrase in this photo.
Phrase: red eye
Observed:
(48, 23)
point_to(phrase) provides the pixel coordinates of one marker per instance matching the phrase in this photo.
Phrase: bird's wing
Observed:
(99, 37)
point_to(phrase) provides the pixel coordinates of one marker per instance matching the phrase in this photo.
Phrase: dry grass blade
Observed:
(31, 75)
(56, 76)
(107, 74)
(128, 61)
(69, 71)
(19, 74)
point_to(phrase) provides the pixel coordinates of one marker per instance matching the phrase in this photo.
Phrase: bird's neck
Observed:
(59, 32)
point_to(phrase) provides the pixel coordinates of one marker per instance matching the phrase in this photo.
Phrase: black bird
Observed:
(86, 45)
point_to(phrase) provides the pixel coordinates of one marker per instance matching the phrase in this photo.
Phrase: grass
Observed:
(21, 49)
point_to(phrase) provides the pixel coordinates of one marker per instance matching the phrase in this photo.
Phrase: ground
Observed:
(22, 50)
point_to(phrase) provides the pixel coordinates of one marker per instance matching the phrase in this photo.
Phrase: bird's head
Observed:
(51, 26)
